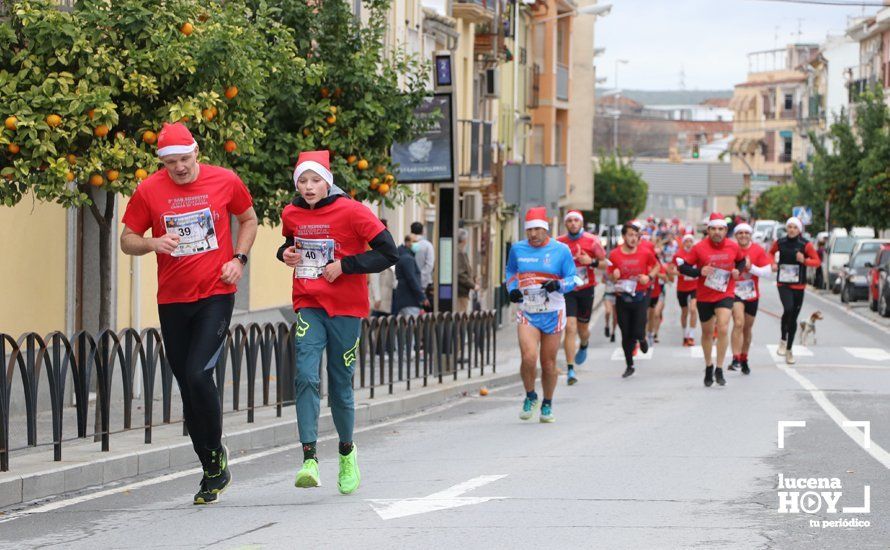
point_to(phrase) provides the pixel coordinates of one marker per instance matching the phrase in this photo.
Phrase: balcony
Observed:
(474, 11)
(475, 145)
(562, 82)
(789, 114)
(784, 157)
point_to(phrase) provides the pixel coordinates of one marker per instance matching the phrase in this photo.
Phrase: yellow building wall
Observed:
(148, 284)
(270, 280)
(33, 272)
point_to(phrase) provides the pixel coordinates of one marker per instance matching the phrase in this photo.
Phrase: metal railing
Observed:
(487, 4)
(475, 139)
(784, 157)
(392, 351)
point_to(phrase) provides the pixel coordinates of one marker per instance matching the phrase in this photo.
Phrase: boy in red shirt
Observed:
(716, 261)
(747, 296)
(686, 287)
(327, 236)
(187, 207)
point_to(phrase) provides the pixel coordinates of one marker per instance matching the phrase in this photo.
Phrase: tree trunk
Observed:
(104, 221)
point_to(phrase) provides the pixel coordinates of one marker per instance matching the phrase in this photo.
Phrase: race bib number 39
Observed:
(195, 230)
(718, 280)
(315, 254)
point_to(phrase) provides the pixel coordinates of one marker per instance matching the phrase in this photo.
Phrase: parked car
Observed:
(762, 230)
(863, 232)
(879, 283)
(854, 276)
(840, 245)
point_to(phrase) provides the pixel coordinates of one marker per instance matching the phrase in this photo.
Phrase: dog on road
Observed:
(808, 328)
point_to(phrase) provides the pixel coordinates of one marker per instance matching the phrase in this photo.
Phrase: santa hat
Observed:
(795, 222)
(574, 215)
(537, 218)
(716, 220)
(320, 163)
(638, 224)
(689, 237)
(175, 139)
(742, 227)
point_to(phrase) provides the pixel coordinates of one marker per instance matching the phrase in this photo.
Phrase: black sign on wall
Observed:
(429, 158)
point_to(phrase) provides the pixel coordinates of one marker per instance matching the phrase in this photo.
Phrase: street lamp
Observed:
(617, 106)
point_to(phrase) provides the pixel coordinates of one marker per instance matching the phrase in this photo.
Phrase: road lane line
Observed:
(55, 505)
(871, 354)
(867, 444)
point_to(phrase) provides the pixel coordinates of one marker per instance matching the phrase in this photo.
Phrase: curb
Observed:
(82, 468)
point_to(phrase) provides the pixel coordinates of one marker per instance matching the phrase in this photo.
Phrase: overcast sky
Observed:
(708, 39)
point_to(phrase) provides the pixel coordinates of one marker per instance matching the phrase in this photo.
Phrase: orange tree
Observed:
(83, 94)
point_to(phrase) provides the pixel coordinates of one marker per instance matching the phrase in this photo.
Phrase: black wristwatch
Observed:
(241, 258)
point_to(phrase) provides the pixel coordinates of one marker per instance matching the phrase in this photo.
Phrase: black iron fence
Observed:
(392, 351)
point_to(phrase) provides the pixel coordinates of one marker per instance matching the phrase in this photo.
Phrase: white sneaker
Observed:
(789, 357)
(783, 347)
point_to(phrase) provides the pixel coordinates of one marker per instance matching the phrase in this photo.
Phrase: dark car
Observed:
(879, 282)
(854, 276)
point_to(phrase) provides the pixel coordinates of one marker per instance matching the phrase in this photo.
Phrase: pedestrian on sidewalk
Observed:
(187, 206)
(409, 298)
(466, 281)
(425, 256)
(327, 236)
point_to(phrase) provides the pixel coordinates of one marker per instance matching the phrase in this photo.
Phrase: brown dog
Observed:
(808, 328)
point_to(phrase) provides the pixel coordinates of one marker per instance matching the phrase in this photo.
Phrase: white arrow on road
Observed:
(392, 508)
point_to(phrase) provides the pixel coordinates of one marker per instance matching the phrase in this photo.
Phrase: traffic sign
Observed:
(803, 213)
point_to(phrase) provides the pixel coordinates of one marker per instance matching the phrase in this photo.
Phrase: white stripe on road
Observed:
(50, 506)
(390, 508)
(870, 354)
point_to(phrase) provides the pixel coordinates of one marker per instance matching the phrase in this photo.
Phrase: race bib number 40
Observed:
(315, 254)
(718, 280)
(195, 230)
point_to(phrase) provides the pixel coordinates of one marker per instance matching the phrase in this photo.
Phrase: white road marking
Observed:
(799, 351)
(449, 498)
(782, 424)
(618, 354)
(56, 505)
(870, 354)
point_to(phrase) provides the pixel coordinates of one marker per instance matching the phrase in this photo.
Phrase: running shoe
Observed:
(783, 347)
(718, 374)
(655, 339)
(350, 477)
(607, 331)
(745, 368)
(612, 338)
(709, 376)
(547, 414)
(216, 477)
(789, 357)
(628, 372)
(691, 342)
(571, 378)
(308, 475)
(644, 345)
(736, 364)
(581, 356)
(528, 408)
(685, 342)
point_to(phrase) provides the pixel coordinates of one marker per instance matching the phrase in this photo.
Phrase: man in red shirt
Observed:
(327, 240)
(716, 261)
(187, 207)
(686, 287)
(587, 253)
(747, 296)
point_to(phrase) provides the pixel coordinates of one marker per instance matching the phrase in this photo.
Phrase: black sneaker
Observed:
(719, 376)
(735, 364)
(217, 477)
(745, 368)
(612, 339)
(607, 331)
(644, 345)
(628, 372)
(709, 376)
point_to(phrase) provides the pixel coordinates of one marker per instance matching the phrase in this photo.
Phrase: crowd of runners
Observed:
(716, 274)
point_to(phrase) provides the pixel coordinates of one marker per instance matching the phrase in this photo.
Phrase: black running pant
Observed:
(632, 317)
(194, 335)
(792, 302)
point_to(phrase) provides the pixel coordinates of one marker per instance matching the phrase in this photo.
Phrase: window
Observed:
(789, 102)
(788, 147)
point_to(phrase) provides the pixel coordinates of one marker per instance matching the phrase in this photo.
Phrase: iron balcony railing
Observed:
(475, 139)
(392, 351)
(487, 4)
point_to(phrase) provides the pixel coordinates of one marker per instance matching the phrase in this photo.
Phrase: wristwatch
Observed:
(241, 258)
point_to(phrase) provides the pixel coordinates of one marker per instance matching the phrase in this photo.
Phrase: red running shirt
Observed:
(658, 284)
(721, 256)
(349, 226)
(590, 245)
(640, 262)
(684, 283)
(759, 258)
(199, 213)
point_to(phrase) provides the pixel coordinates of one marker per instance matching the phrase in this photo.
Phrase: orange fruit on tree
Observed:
(187, 29)
(351, 159)
(69, 176)
(101, 130)
(331, 119)
(352, 193)
(231, 92)
(53, 121)
(141, 174)
(112, 175)
(207, 114)
(91, 113)
(383, 189)
(214, 110)
(119, 135)
(149, 137)
(333, 109)
(230, 146)
(375, 183)
(306, 132)
(13, 148)
(96, 180)
(325, 92)
(389, 178)
(72, 159)
(11, 123)
(338, 92)
(380, 170)
(362, 164)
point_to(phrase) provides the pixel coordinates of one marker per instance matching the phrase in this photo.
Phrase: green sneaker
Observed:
(547, 414)
(308, 475)
(350, 477)
(528, 409)
(216, 479)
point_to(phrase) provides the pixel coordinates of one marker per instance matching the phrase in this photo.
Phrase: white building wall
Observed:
(841, 52)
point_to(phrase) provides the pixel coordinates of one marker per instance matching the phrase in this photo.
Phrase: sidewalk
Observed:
(34, 475)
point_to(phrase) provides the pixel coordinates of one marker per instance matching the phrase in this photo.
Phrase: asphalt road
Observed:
(653, 461)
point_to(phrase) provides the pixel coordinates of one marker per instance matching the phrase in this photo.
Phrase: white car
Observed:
(762, 230)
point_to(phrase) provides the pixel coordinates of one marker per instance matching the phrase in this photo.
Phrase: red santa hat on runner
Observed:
(742, 228)
(795, 222)
(574, 215)
(320, 163)
(175, 139)
(716, 220)
(537, 218)
(688, 237)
